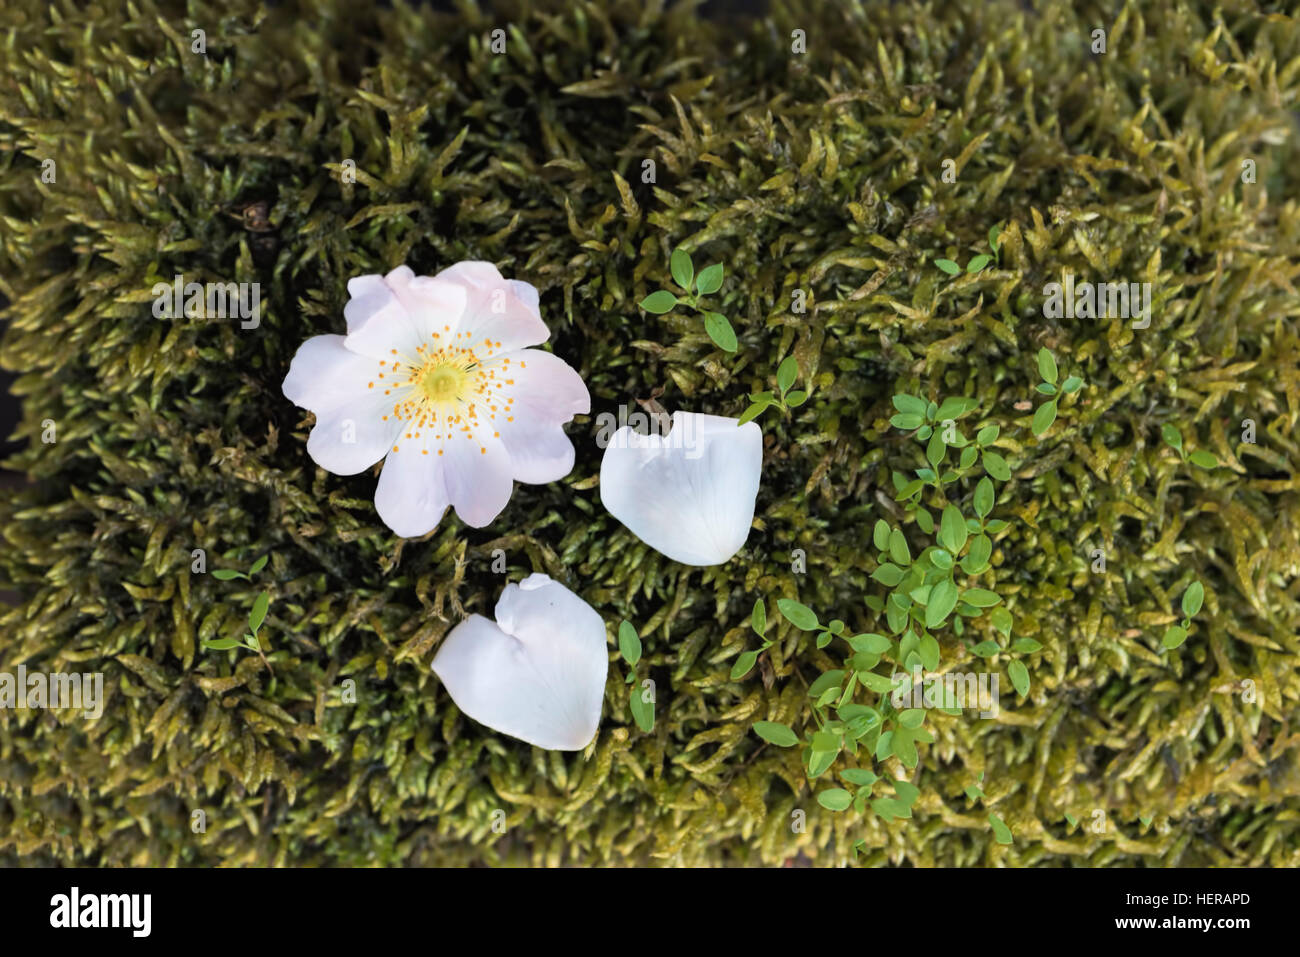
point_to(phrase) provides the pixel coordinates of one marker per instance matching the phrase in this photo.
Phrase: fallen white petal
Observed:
(537, 673)
(689, 494)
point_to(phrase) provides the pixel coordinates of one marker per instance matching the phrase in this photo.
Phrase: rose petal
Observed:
(537, 673)
(547, 392)
(330, 380)
(478, 474)
(689, 495)
(500, 315)
(411, 496)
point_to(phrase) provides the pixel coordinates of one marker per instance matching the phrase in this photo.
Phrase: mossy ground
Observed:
(819, 172)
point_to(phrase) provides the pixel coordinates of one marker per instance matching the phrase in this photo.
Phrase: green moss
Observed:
(819, 172)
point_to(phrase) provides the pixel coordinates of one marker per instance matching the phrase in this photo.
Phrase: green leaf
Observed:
(877, 683)
(996, 466)
(258, 614)
(948, 266)
(980, 597)
(1174, 637)
(1192, 599)
(880, 535)
(258, 565)
(973, 792)
(643, 711)
(910, 404)
(987, 435)
(719, 330)
(801, 616)
(872, 644)
(775, 733)
(952, 529)
(993, 237)
(1203, 459)
(1001, 833)
(859, 776)
(978, 263)
(659, 302)
(1172, 436)
(912, 717)
(898, 549)
(983, 497)
(1019, 675)
(907, 792)
(753, 412)
(786, 372)
(629, 643)
(830, 679)
(907, 421)
(955, 407)
(683, 269)
(226, 574)
(709, 280)
(941, 558)
(888, 575)
(250, 641)
(928, 649)
(890, 807)
(222, 644)
(834, 799)
(986, 649)
(1000, 618)
(796, 398)
(943, 599)
(1044, 417)
(1025, 646)
(1071, 385)
(977, 559)
(1047, 366)
(758, 618)
(905, 747)
(925, 520)
(1046, 388)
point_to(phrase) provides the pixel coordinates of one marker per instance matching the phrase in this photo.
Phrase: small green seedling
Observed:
(706, 283)
(1046, 413)
(978, 262)
(1192, 599)
(256, 616)
(758, 621)
(640, 700)
(787, 399)
(1173, 437)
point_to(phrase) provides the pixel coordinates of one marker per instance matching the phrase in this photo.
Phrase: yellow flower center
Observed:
(449, 390)
(444, 383)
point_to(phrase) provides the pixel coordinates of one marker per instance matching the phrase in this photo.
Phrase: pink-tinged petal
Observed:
(690, 494)
(434, 306)
(546, 393)
(324, 375)
(411, 496)
(478, 475)
(350, 434)
(537, 673)
(499, 316)
(378, 324)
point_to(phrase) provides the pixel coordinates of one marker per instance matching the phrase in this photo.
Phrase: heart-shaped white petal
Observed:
(688, 494)
(537, 673)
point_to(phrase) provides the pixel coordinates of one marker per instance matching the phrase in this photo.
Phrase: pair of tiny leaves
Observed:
(629, 646)
(1191, 604)
(757, 621)
(1174, 439)
(785, 376)
(706, 283)
(228, 574)
(972, 267)
(255, 618)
